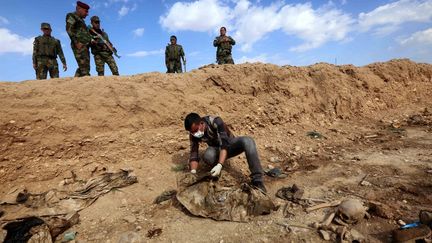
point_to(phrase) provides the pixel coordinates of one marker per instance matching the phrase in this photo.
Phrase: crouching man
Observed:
(222, 145)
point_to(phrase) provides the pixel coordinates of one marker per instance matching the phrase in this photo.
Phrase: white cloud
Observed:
(315, 27)
(200, 15)
(124, 10)
(146, 53)
(4, 20)
(387, 18)
(421, 37)
(138, 32)
(264, 58)
(250, 22)
(13, 43)
(260, 58)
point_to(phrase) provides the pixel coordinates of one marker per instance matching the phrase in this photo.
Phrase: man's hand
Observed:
(79, 45)
(216, 170)
(34, 66)
(64, 67)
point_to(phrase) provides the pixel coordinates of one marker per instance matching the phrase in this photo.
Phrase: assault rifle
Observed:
(104, 41)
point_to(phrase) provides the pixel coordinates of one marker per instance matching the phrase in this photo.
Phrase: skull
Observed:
(350, 211)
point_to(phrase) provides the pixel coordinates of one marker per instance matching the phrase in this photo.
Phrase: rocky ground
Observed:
(375, 122)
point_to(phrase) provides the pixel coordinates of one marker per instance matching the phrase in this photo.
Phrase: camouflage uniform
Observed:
(78, 33)
(224, 47)
(173, 53)
(102, 54)
(45, 52)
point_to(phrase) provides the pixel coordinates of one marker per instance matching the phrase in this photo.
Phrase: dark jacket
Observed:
(216, 134)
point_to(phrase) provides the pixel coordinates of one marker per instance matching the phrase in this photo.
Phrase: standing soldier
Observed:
(224, 45)
(101, 52)
(173, 53)
(45, 51)
(80, 38)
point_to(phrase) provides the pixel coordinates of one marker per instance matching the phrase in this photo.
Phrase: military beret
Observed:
(45, 26)
(94, 19)
(83, 5)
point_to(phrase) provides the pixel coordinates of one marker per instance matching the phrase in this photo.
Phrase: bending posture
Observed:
(222, 145)
(45, 51)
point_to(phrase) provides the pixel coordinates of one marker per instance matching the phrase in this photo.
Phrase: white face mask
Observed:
(198, 134)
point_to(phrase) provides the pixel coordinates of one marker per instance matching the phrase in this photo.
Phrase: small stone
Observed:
(130, 219)
(404, 201)
(297, 148)
(138, 228)
(292, 132)
(274, 160)
(366, 183)
(270, 167)
(429, 171)
(325, 235)
(401, 222)
(12, 121)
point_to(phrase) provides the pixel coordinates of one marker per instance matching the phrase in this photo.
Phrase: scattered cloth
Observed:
(166, 195)
(55, 203)
(202, 196)
(293, 193)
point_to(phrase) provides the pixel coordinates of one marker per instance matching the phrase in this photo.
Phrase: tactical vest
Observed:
(174, 52)
(224, 48)
(46, 46)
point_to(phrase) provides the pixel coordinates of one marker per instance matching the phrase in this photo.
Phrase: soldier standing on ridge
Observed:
(224, 45)
(173, 53)
(80, 38)
(101, 52)
(45, 51)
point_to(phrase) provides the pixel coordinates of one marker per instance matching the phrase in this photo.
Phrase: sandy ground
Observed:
(376, 121)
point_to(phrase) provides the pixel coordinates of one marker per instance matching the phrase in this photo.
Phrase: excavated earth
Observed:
(375, 124)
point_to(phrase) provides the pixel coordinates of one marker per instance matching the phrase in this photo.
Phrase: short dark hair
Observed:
(223, 27)
(191, 118)
(173, 37)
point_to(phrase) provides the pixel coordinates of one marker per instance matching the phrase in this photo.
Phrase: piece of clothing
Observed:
(82, 56)
(77, 29)
(224, 49)
(78, 33)
(216, 134)
(45, 65)
(100, 60)
(173, 55)
(237, 146)
(174, 67)
(45, 52)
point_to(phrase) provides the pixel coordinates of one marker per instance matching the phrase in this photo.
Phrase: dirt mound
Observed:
(50, 128)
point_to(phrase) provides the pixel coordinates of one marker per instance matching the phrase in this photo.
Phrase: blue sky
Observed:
(281, 32)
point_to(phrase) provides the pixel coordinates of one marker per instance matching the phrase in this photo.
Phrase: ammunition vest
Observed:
(46, 46)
